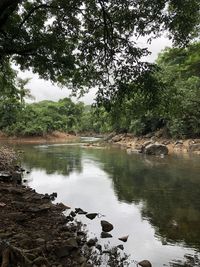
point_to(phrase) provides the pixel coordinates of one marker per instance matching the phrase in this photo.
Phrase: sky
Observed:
(45, 90)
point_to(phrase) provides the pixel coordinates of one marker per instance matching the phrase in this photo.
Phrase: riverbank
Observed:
(35, 232)
(54, 137)
(136, 144)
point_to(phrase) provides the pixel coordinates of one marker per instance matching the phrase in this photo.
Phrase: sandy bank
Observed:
(54, 137)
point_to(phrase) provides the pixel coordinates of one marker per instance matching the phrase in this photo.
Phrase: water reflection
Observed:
(168, 188)
(53, 158)
(154, 200)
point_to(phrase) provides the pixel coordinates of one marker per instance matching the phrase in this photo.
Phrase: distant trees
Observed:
(45, 117)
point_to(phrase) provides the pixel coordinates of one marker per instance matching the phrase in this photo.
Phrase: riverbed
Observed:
(155, 201)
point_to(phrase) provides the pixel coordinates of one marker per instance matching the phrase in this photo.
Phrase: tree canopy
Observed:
(92, 42)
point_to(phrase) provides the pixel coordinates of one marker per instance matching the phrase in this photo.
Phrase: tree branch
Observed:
(7, 7)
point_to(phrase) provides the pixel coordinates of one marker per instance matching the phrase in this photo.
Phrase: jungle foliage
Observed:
(171, 105)
(89, 43)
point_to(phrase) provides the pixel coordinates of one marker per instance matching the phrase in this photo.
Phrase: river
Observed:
(156, 201)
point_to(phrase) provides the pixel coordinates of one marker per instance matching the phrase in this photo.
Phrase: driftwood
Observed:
(12, 256)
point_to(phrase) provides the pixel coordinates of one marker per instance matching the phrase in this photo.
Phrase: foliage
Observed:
(181, 77)
(172, 100)
(87, 43)
(47, 116)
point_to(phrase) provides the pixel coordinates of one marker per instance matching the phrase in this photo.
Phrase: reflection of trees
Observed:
(54, 159)
(168, 188)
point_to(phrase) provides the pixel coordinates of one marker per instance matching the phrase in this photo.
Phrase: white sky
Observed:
(44, 90)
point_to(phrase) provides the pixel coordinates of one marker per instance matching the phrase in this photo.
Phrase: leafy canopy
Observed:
(91, 42)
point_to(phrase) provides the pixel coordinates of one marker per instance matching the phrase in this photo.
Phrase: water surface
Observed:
(155, 201)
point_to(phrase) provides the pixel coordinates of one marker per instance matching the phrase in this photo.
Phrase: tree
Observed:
(180, 75)
(92, 42)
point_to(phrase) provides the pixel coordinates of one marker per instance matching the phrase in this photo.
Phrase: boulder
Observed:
(117, 138)
(105, 235)
(156, 149)
(194, 147)
(145, 263)
(91, 216)
(106, 226)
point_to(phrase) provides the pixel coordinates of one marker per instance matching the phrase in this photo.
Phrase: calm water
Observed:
(155, 201)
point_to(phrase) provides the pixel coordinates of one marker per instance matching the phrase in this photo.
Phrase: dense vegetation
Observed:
(91, 42)
(171, 105)
(87, 43)
(172, 102)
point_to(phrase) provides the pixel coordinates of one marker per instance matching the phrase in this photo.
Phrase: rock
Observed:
(145, 263)
(40, 261)
(17, 176)
(66, 248)
(2, 204)
(106, 226)
(99, 247)
(20, 217)
(40, 241)
(156, 149)
(194, 147)
(146, 143)
(91, 242)
(41, 208)
(80, 211)
(123, 238)
(117, 138)
(91, 216)
(46, 196)
(53, 196)
(179, 142)
(105, 235)
(5, 175)
(73, 214)
(81, 260)
(120, 247)
(62, 206)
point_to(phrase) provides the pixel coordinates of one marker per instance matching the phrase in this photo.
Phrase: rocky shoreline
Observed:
(138, 144)
(35, 232)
